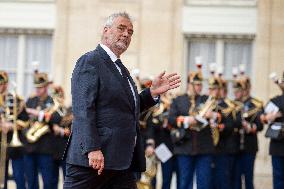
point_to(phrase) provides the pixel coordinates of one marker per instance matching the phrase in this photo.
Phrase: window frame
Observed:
(238, 3)
(21, 71)
(220, 41)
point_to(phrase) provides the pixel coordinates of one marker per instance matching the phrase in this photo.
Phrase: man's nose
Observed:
(125, 33)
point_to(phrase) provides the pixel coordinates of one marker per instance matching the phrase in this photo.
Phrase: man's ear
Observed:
(105, 29)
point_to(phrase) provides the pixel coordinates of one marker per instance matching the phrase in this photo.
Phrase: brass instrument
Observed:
(3, 154)
(249, 115)
(7, 103)
(41, 127)
(15, 142)
(149, 174)
(209, 105)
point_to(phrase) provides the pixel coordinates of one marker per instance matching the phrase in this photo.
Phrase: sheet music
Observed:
(271, 108)
(163, 153)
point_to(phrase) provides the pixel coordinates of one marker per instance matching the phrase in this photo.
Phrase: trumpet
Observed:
(41, 127)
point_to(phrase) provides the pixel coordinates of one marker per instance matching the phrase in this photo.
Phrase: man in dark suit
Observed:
(105, 147)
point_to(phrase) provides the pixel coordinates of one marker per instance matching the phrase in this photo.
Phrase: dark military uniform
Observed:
(276, 148)
(195, 148)
(61, 141)
(159, 130)
(40, 152)
(15, 154)
(249, 143)
(222, 171)
(235, 146)
(193, 142)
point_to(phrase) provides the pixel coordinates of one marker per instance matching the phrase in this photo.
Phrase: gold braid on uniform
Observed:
(191, 110)
(252, 113)
(238, 107)
(143, 122)
(228, 110)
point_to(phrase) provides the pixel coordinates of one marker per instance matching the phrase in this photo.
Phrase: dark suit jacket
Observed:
(105, 117)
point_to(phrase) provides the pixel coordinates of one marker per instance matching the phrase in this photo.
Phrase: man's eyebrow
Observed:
(121, 25)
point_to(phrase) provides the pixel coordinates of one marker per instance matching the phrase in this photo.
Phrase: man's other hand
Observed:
(163, 83)
(96, 160)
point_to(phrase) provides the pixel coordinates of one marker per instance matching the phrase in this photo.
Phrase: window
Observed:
(8, 58)
(17, 52)
(222, 2)
(38, 48)
(226, 53)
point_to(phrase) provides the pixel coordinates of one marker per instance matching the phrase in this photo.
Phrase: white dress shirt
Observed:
(113, 58)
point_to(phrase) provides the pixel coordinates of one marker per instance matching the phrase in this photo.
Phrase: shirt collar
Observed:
(112, 56)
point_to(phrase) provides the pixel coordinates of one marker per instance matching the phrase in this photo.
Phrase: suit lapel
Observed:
(111, 66)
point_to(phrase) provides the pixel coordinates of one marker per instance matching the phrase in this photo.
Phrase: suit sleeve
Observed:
(84, 89)
(146, 100)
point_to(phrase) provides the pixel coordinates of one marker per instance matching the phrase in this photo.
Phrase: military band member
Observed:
(251, 125)
(148, 181)
(61, 131)
(193, 146)
(40, 139)
(238, 87)
(159, 130)
(15, 150)
(222, 131)
(275, 119)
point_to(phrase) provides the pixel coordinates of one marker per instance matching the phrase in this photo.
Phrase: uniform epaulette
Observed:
(258, 103)
(159, 111)
(238, 106)
(230, 103)
(230, 108)
(32, 95)
(21, 98)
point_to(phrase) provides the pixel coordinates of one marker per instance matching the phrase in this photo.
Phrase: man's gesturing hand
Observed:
(96, 160)
(163, 83)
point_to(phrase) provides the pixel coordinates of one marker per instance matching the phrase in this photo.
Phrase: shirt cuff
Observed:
(156, 99)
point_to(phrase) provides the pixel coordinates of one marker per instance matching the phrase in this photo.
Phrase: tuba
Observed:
(41, 127)
(149, 174)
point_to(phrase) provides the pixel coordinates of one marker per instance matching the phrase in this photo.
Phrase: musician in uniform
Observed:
(159, 130)
(40, 138)
(62, 131)
(222, 133)
(13, 132)
(275, 132)
(251, 125)
(148, 180)
(235, 179)
(193, 146)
